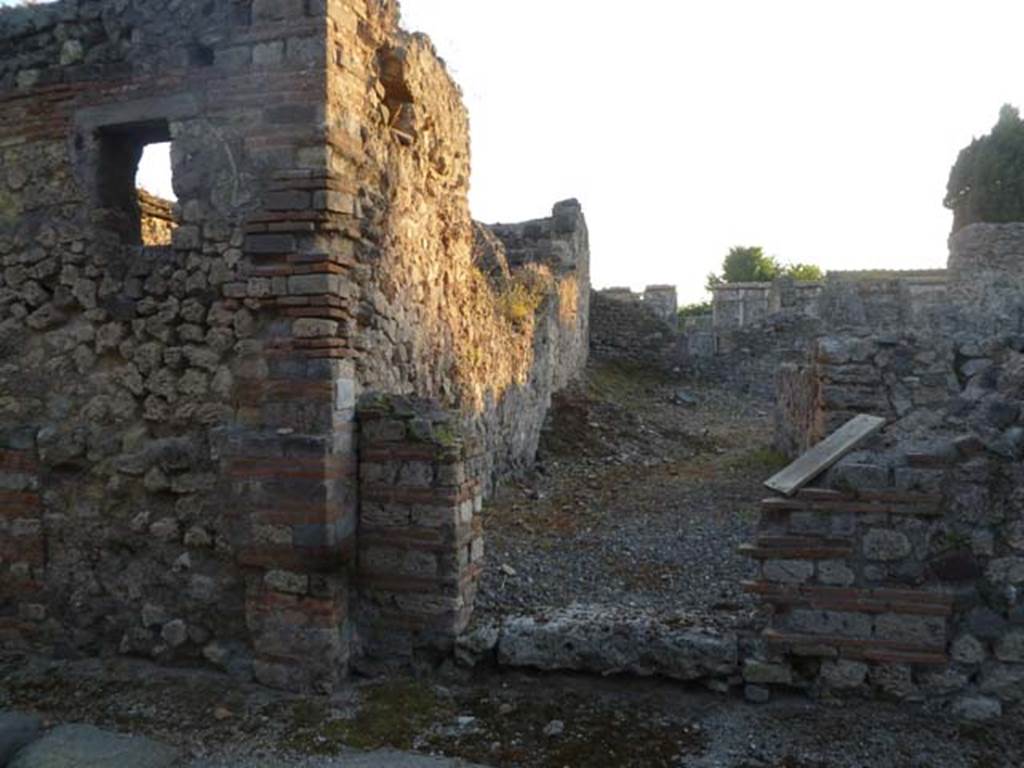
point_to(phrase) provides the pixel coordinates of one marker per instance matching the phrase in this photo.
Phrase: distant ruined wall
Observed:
(157, 219)
(179, 435)
(631, 328)
(663, 301)
(755, 328)
(878, 300)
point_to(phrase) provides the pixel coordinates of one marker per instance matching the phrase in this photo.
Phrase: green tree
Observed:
(749, 264)
(803, 272)
(986, 184)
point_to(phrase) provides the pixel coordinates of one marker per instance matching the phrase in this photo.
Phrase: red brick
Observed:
(15, 504)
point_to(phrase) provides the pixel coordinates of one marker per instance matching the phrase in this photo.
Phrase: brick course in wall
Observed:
(420, 538)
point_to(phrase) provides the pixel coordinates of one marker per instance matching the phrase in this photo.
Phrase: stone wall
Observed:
(880, 300)
(157, 219)
(663, 301)
(984, 265)
(900, 575)
(755, 328)
(624, 327)
(885, 375)
(178, 426)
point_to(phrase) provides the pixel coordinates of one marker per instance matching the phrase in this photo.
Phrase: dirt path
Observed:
(644, 490)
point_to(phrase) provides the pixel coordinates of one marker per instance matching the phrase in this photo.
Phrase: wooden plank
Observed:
(825, 454)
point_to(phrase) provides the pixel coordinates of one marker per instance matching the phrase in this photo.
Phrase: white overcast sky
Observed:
(821, 130)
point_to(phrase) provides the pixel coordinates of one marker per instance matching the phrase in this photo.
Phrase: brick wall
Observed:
(420, 538)
(22, 550)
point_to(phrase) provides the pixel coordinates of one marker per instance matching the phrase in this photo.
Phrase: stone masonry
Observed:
(899, 574)
(180, 454)
(754, 326)
(636, 328)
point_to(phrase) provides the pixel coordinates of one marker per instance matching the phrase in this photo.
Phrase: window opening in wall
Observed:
(135, 182)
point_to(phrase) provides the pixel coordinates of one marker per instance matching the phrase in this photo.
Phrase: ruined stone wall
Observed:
(157, 219)
(421, 543)
(624, 328)
(178, 424)
(747, 359)
(663, 301)
(882, 301)
(760, 330)
(900, 575)
(735, 305)
(879, 300)
(429, 321)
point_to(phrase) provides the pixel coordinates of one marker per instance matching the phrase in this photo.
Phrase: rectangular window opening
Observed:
(134, 177)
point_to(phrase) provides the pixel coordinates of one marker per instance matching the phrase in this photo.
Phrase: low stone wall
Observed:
(902, 579)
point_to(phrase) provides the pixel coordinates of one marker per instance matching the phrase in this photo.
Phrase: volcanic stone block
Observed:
(886, 545)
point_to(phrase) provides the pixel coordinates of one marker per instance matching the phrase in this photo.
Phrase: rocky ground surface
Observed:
(645, 487)
(485, 717)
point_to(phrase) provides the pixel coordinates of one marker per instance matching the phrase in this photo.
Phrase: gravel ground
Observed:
(640, 501)
(512, 719)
